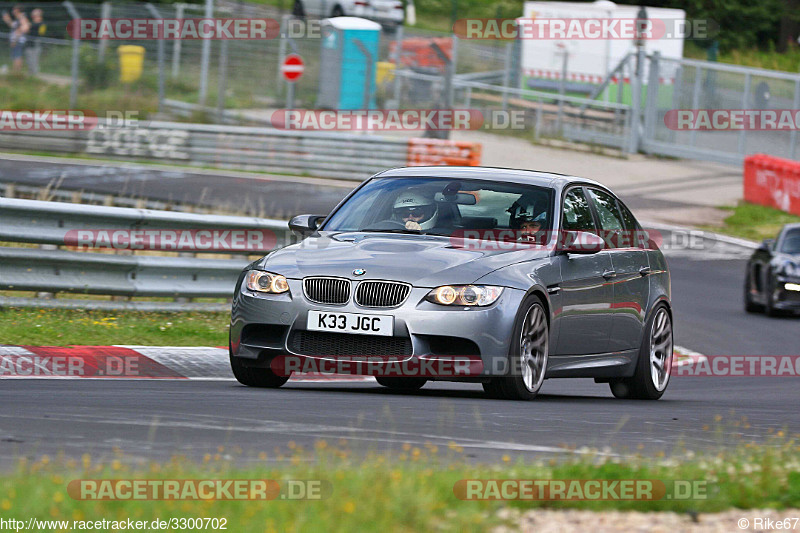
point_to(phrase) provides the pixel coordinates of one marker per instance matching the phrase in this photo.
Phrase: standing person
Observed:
(34, 47)
(19, 25)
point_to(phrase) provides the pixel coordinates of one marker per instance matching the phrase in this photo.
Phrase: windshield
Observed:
(791, 242)
(443, 206)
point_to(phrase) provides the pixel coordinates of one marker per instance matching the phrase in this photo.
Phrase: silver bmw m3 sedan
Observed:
(473, 274)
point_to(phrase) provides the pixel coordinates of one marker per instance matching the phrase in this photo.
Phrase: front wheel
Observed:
(749, 305)
(528, 355)
(654, 364)
(255, 377)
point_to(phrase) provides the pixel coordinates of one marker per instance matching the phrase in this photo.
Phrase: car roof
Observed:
(793, 225)
(512, 175)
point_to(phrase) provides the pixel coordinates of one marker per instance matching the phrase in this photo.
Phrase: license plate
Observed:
(351, 323)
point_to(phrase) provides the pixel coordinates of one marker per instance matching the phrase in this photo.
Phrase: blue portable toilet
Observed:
(347, 73)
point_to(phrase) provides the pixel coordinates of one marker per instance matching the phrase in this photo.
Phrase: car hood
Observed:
(424, 261)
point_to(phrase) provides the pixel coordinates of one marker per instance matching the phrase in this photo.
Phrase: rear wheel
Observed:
(403, 384)
(654, 364)
(255, 377)
(298, 10)
(337, 11)
(528, 357)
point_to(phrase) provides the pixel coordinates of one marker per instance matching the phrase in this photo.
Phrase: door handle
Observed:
(609, 274)
(644, 271)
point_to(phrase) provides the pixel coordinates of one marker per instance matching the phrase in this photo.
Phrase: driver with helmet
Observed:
(416, 210)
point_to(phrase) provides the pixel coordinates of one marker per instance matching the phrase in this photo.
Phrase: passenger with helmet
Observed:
(530, 228)
(416, 210)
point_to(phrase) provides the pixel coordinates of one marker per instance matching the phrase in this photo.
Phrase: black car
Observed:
(772, 280)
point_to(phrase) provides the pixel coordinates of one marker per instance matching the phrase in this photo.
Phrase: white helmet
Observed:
(411, 205)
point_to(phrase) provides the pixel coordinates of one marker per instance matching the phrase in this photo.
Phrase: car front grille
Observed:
(327, 290)
(323, 343)
(381, 293)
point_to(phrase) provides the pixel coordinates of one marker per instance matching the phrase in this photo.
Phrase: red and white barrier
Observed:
(772, 182)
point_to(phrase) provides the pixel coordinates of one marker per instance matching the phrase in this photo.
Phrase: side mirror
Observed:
(304, 225)
(580, 242)
(767, 244)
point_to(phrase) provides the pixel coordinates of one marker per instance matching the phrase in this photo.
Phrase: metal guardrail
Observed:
(320, 154)
(59, 270)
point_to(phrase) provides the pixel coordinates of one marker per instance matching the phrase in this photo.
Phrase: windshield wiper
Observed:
(392, 230)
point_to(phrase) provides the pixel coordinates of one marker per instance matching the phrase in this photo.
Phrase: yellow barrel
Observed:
(385, 72)
(131, 58)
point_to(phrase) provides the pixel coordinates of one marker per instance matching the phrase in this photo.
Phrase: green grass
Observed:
(409, 490)
(754, 222)
(63, 327)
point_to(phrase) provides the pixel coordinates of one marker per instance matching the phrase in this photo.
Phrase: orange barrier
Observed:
(417, 52)
(423, 152)
(773, 182)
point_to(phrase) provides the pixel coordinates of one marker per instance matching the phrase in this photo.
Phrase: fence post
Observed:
(745, 104)
(562, 89)
(698, 74)
(398, 56)
(793, 134)
(507, 74)
(636, 101)
(105, 13)
(651, 103)
(281, 52)
(76, 44)
(205, 57)
(156, 14)
(176, 44)
(223, 80)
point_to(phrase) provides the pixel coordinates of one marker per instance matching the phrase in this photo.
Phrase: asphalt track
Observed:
(156, 419)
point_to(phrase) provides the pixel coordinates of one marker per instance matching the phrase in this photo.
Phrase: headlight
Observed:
(260, 281)
(477, 295)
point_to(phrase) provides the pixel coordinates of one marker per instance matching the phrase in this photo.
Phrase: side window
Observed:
(610, 219)
(577, 215)
(637, 238)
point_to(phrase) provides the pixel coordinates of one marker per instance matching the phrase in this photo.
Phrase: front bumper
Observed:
(264, 326)
(786, 295)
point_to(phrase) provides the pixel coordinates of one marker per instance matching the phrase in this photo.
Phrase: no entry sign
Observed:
(292, 67)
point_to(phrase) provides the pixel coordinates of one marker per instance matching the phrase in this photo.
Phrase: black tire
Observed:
(749, 305)
(298, 10)
(255, 377)
(769, 306)
(402, 384)
(532, 313)
(641, 386)
(491, 389)
(337, 11)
